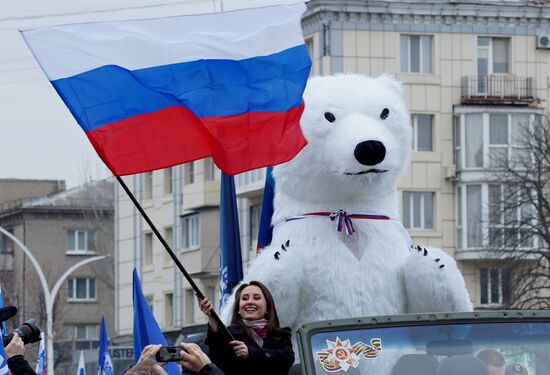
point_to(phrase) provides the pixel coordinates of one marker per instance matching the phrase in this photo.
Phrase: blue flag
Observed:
(231, 264)
(3, 326)
(104, 363)
(146, 329)
(266, 229)
(41, 359)
(3, 362)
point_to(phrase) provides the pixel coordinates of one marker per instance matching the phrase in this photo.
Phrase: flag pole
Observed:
(223, 329)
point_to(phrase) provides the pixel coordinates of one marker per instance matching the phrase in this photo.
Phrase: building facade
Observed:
(60, 227)
(472, 73)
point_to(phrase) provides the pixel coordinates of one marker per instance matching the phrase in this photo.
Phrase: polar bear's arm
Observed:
(282, 272)
(434, 283)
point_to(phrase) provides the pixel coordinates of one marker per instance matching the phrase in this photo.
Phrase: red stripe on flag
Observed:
(174, 135)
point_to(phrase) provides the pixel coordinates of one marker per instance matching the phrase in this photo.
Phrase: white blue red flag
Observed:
(104, 363)
(81, 370)
(154, 93)
(41, 358)
(3, 362)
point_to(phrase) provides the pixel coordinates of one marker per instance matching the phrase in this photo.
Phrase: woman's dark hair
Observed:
(273, 325)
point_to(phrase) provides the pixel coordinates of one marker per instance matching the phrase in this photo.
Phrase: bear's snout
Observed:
(370, 152)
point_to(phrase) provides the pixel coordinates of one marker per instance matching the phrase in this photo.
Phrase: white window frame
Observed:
(490, 52)
(486, 165)
(188, 225)
(190, 173)
(462, 228)
(147, 185)
(73, 297)
(422, 210)
(168, 180)
(75, 233)
(414, 122)
(489, 285)
(92, 332)
(421, 54)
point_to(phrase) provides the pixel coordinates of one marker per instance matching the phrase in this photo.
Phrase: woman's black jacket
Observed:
(275, 357)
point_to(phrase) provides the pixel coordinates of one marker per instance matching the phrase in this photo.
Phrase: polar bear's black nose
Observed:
(370, 152)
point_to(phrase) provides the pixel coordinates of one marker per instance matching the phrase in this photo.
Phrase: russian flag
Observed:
(154, 93)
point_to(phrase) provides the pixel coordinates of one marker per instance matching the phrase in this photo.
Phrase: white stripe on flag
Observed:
(64, 51)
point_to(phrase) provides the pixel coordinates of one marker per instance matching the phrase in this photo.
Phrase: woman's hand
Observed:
(206, 308)
(240, 348)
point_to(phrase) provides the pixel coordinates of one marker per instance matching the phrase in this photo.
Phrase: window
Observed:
(189, 306)
(210, 169)
(489, 140)
(147, 249)
(168, 180)
(255, 213)
(510, 212)
(418, 210)
(494, 216)
(309, 46)
(494, 286)
(150, 302)
(422, 132)
(492, 55)
(189, 173)
(169, 238)
(6, 243)
(473, 216)
(148, 185)
(80, 241)
(416, 53)
(169, 309)
(85, 331)
(82, 289)
(190, 231)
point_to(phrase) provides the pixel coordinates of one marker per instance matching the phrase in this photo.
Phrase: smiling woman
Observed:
(260, 345)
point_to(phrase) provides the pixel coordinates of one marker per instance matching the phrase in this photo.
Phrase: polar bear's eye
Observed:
(330, 117)
(385, 113)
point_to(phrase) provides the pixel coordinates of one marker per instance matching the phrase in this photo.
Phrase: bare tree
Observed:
(518, 227)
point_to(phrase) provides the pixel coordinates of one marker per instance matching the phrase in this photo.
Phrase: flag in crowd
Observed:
(104, 363)
(146, 328)
(231, 265)
(265, 233)
(227, 84)
(41, 358)
(81, 370)
(3, 325)
(3, 362)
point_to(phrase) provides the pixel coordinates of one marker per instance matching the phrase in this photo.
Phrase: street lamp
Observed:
(49, 297)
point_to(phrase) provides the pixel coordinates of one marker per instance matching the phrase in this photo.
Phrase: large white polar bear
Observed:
(359, 143)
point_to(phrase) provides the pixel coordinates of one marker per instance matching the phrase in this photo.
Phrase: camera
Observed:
(169, 354)
(28, 331)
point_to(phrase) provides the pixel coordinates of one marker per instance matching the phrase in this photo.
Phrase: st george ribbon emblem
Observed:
(341, 355)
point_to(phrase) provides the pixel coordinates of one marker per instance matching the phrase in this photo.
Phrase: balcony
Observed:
(499, 90)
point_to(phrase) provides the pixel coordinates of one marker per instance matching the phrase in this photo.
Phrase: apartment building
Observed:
(472, 72)
(61, 228)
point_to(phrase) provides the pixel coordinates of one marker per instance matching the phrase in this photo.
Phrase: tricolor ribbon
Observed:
(344, 221)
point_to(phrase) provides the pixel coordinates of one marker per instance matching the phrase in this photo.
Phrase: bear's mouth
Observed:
(366, 172)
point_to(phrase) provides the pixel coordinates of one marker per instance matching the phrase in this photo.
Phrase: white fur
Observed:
(324, 274)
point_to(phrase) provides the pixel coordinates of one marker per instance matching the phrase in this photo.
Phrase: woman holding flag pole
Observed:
(260, 344)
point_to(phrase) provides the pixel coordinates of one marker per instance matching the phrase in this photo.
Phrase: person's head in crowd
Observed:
(253, 303)
(494, 360)
(515, 369)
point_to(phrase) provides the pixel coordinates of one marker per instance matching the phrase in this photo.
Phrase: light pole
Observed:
(49, 297)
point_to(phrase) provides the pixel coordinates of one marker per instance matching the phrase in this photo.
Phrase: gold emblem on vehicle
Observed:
(341, 355)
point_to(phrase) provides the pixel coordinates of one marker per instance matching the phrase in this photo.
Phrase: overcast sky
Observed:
(39, 139)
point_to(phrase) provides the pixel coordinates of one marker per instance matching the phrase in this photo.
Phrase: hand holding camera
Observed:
(189, 355)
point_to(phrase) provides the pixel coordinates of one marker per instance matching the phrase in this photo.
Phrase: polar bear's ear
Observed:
(390, 82)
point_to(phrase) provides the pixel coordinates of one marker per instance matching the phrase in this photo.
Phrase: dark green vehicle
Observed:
(478, 343)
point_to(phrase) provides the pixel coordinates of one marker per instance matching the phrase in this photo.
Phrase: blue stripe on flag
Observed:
(208, 88)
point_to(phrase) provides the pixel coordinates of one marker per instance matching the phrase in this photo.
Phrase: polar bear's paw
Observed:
(434, 283)
(284, 247)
